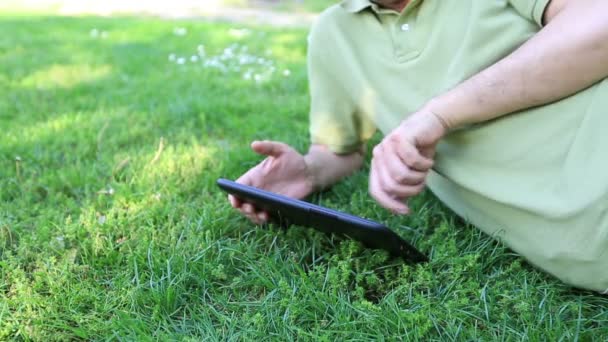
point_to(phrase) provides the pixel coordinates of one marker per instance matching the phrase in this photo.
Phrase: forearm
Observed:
(327, 168)
(568, 55)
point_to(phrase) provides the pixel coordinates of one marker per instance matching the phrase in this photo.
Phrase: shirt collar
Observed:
(355, 6)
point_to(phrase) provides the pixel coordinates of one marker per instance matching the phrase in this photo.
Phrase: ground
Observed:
(114, 131)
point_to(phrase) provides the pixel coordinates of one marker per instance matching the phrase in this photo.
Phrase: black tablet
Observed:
(289, 211)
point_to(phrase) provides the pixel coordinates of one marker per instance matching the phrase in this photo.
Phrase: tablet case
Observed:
(288, 211)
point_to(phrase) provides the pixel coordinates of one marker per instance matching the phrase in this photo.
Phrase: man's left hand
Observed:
(403, 159)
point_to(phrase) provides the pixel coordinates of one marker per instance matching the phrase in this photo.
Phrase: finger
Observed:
(254, 219)
(400, 172)
(382, 197)
(269, 148)
(248, 208)
(235, 202)
(388, 183)
(248, 177)
(250, 215)
(259, 216)
(385, 180)
(398, 191)
(263, 216)
(390, 186)
(413, 159)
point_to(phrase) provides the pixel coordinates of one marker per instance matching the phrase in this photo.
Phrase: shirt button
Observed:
(405, 27)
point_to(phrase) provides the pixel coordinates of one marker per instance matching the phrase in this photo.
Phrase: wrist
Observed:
(312, 172)
(325, 168)
(432, 125)
(440, 111)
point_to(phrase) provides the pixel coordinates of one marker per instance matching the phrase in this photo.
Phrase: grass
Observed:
(287, 5)
(111, 227)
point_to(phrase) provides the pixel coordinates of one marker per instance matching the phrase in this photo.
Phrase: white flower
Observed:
(172, 57)
(181, 60)
(228, 52)
(94, 33)
(201, 50)
(194, 59)
(180, 31)
(286, 72)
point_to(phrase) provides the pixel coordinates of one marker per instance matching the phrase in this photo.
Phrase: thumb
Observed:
(269, 148)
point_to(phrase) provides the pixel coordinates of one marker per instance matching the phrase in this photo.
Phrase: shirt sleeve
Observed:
(531, 9)
(334, 119)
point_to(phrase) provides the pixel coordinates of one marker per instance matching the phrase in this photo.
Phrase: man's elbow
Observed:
(555, 7)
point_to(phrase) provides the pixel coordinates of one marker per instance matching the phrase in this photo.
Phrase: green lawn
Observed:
(285, 5)
(111, 226)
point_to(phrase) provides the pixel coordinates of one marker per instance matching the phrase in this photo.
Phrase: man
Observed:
(499, 106)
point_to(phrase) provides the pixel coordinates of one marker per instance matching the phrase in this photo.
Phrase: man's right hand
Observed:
(284, 171)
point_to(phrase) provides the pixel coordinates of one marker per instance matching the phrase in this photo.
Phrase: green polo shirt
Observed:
(537, 179)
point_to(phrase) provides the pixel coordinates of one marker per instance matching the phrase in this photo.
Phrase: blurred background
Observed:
(293, 11)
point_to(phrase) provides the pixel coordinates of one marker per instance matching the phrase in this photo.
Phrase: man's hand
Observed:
(403, 159)
(284, 171)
